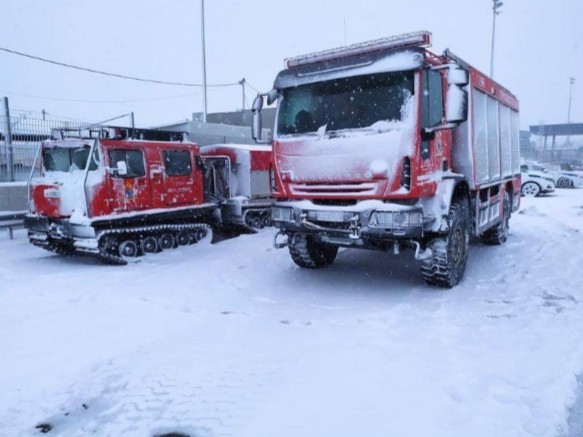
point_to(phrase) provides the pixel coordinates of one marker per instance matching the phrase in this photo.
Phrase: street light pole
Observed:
(571, 82)
(204, 96)
(497, 4)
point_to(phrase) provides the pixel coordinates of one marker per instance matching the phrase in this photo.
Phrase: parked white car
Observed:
(562, 178)
(535, 182)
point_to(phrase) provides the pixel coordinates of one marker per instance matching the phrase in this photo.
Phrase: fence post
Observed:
(10, 154)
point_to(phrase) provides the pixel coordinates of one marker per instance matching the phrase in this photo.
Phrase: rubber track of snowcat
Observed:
(115, 259)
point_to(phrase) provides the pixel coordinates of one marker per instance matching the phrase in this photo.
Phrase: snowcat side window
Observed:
(177, 163)
(134, 160)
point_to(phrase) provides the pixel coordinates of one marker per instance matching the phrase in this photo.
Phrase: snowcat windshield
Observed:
(67, 159)
(347, 103)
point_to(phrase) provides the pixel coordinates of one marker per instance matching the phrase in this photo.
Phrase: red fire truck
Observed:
(120, 193)
(386, 145)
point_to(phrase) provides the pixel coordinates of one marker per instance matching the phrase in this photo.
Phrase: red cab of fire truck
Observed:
(374, 147)
(118, 193)
(250, 203)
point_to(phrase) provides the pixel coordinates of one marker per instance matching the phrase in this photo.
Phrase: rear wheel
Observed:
(530, 189)
(562, 182)
(311, 254)
(499, 233)
(446, 265)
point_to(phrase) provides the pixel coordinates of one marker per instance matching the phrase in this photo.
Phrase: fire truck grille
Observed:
(333, 189)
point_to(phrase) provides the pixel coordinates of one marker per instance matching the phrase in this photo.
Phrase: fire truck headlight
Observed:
(415, 218)
(381, 219)
(279, 214)
(401, 219)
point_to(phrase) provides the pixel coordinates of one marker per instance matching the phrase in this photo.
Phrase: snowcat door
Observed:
(129, 186)
(178, 179)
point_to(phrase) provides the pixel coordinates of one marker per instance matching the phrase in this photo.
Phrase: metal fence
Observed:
(20, 141)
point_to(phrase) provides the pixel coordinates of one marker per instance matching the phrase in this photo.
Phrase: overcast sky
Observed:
(539, 46)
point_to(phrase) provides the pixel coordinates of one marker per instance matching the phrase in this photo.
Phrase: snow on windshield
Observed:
(345, 103)
(66, 159)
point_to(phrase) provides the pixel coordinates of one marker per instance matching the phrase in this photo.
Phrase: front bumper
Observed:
(350, 225)
(56, 229)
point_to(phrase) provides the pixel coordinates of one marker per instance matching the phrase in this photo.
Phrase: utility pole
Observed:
(10, 151)
(242, 83)
(204, 95)
(497, 4)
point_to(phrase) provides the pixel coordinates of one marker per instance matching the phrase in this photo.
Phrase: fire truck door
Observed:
(129, 190)
(178, 186)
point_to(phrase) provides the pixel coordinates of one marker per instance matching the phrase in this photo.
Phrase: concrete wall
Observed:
(13, 196)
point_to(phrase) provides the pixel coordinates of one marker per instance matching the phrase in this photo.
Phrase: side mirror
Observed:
(256, 108)
(457, 76)
(122, 168)
(456, 109)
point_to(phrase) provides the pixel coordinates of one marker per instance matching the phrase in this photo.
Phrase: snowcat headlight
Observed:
(52, 193)
(279, 214)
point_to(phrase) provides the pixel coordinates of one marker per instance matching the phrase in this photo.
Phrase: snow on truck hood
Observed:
(344, 158)
(353, 155)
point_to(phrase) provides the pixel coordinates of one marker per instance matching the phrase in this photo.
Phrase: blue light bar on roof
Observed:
(415, 39)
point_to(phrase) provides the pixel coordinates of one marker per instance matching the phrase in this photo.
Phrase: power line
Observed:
(59, 99)
(252, 87)
(105, 73)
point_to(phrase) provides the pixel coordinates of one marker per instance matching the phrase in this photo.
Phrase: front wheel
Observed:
(530, 189)
(309, 253)
(446, 265)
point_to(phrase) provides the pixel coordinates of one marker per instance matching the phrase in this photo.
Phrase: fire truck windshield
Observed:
(66, 159)
(356, 102)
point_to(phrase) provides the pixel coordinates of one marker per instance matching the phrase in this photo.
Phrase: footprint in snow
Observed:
(501, 316)
(288, 322)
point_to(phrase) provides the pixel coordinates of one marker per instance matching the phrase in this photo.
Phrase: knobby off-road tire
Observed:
(449, 253)
(499, 233)
(311, 254)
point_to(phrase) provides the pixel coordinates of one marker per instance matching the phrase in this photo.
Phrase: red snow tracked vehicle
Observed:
(374, 147)
(118, 193)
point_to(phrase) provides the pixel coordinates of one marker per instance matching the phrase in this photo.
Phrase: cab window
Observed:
(177, 163)
(134, 160)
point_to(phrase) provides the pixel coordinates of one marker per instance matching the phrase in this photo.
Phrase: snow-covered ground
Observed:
(233, 339)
